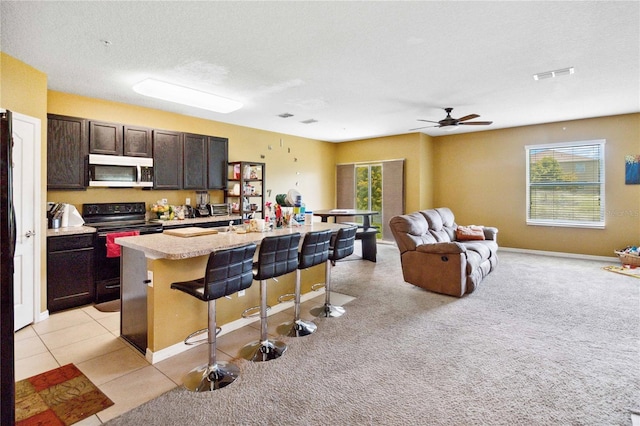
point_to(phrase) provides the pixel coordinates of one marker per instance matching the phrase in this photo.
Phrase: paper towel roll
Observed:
(65, 216)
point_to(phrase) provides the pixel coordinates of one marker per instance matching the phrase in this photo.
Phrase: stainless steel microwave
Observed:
(120, 172)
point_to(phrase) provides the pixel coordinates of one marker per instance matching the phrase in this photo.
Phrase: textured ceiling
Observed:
(361, 69)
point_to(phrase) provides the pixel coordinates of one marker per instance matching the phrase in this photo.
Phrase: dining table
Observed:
(366, 233)
(336, 213)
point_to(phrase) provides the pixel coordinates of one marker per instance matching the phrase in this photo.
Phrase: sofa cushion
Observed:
(483, 250)
(436, 227)
(448, 219)
(411, 230)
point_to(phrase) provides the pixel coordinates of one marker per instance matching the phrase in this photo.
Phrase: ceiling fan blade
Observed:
(418, 128)
(468, 117)
(429, 121)
(478, 123)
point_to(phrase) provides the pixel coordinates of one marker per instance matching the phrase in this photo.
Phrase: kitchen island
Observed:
(156, 319)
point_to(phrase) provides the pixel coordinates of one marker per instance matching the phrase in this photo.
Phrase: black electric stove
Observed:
(113, 218)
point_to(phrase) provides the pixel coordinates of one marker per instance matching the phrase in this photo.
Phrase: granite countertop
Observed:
(70, 230)
(195, 221)
(163, 246)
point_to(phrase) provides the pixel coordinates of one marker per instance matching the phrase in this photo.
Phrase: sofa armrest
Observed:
(490, 233)
(442, 248)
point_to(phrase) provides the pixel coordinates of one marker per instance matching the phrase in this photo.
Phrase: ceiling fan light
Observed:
(186, 96)
(449, 128)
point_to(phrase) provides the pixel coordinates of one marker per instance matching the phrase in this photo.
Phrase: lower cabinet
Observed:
(70, 280)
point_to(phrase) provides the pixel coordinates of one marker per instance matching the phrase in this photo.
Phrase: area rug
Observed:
(111, 306)
(630, 272)
(61, 396)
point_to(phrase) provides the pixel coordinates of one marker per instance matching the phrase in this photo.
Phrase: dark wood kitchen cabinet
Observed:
(119, 139)
(217, 157)
(167, 159)
(105, 138)
(70, 280)
(137, 141)
(194, 161)
(67, 149)
(205, 162)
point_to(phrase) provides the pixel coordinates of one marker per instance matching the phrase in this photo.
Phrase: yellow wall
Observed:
(24, 90)
(307, 162)
(481, 177)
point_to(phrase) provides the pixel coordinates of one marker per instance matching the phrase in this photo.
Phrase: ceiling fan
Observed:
(451, 122)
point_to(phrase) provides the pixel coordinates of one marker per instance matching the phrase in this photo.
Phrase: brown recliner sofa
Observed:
(439, 256)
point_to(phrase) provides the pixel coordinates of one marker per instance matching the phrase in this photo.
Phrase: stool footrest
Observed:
(246, 313)
(317, 286)
(198, 333)
(286, 297)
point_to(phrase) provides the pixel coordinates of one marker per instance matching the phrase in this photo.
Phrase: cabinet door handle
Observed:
(30, 234)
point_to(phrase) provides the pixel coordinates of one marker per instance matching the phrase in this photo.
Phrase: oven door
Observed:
(107, 269)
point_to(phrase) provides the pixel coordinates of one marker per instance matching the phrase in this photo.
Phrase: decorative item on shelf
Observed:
(246, 173)
(236, 171)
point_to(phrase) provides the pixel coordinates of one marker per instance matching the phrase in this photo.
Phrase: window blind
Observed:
(565, 184)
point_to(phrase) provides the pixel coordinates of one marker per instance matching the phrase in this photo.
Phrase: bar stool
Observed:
(342, 247)
(277, 256)
(228, 271)
(314, 251)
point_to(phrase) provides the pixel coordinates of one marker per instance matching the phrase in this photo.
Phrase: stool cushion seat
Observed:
(315, 249)
(343, 243)
(278, 255)
(228, 271)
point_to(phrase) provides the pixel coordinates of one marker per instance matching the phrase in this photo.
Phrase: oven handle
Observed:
(102, 234)
(138, 173)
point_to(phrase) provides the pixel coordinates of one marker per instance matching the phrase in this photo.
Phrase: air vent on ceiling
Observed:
(309, 121)
(285, 115)
(552, 74)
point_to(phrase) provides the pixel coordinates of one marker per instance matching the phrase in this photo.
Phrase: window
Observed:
(369, 188)
(565, 184)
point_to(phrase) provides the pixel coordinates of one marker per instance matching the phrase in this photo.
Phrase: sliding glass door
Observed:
(369, 190)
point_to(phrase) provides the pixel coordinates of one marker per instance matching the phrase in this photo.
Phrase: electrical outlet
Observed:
(164, 201)
(187, 201)
(241, 293)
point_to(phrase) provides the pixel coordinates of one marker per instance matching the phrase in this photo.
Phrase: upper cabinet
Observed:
(217, 157)
(195, 161)
(167, 159)
(67, 150)
(180, 160)
(137, 141)
(105, 138)
(119, 139)
(204, 162)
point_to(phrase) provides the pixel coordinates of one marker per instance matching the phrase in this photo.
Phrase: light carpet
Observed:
(542, 341)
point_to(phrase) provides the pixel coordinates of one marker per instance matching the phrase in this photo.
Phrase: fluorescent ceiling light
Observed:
(186, 96)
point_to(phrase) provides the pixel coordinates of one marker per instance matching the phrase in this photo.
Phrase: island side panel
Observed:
(133, 298)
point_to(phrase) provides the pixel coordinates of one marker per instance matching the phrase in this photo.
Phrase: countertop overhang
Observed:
(163, 246)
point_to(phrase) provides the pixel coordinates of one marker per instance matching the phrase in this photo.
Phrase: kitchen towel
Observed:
(113, 249)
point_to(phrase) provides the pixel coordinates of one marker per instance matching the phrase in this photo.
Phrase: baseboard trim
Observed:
(559, 254)
(168, 352)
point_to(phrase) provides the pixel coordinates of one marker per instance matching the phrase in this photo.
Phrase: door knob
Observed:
(30, 234)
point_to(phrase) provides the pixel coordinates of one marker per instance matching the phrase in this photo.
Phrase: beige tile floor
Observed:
(90, 339)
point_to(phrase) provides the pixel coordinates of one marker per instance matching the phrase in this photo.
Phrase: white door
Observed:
(26, 201)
